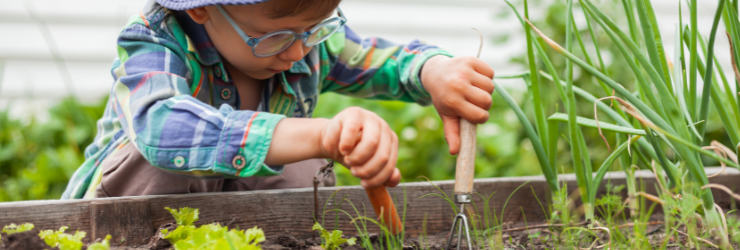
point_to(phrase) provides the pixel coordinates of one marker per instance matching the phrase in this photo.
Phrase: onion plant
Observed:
(660, 122)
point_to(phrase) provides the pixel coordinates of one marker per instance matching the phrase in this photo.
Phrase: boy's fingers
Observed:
(482, 82)
(451, 126)
(351, 127)
(395, 177)
(379, 159)
(384, 162)
(479, 98)
(368, 143)
(472, 113)
(482, 67)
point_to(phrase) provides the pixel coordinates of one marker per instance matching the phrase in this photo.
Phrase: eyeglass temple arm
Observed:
(246, 38)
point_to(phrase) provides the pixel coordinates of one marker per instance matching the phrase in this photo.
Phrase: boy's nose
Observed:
(294, 53)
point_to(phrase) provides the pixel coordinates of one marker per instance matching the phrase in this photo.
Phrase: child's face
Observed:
(253, 20)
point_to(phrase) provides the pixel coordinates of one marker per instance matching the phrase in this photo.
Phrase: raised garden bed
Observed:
(132, 221)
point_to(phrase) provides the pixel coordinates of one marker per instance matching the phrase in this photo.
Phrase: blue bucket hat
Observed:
(191, 4)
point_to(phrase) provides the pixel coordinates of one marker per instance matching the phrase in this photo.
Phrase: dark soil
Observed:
(512, 237)
(28, 240)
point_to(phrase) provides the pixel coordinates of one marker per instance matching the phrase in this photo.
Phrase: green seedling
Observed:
(211, 236)
(103, 245)
(13, 228)
(332, 240)
(62, 240)
(184, 216)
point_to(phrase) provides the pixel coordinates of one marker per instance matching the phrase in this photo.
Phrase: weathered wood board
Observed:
(132, 220)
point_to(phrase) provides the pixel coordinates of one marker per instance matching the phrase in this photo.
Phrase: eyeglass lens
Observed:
(278, 42)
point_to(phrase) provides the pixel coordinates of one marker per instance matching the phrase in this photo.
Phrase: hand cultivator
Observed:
(464, 174)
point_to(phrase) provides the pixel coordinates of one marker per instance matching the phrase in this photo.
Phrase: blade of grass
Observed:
(539, 115)
(577, 152)
(672, 112)
(680, 92)
(704, 109)
(618, 88)
(607, 164)
(547, 170)
(692, 57)
(583, 121)
(577, 33)
(652, 40)
(721, 111)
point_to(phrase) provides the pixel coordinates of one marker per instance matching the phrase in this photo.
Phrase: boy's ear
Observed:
(199, 15)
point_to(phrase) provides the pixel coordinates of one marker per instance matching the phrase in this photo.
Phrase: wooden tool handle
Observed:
(465, 169)
(383, 206)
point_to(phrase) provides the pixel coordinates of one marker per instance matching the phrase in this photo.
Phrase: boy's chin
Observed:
(262, 75)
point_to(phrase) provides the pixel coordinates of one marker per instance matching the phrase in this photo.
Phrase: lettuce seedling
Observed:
(13, 228)
(104, 245)
(332, 240)
(184, 216)
(210, 236)
(61, 240)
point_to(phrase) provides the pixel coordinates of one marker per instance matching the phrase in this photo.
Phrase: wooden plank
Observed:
(48, 214)
(128, 221)
(291, 210)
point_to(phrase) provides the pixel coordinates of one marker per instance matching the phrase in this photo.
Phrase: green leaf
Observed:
(582, 121)
(184, 216)
(104, 245)
(13, 228)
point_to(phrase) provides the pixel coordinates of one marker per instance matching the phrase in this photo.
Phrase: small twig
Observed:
(702, 240)
(480, 48)
(723, 188)
(545, 226)
(609, 233)
(646, 224)
(325, 171)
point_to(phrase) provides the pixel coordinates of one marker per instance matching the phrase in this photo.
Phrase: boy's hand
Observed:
(460, 87)
(363, 142)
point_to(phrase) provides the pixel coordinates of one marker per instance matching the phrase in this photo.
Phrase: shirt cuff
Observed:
(422, 97)
(244, 143)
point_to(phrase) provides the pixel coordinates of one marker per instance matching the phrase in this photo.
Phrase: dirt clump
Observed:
(28, 240)
(157, 242)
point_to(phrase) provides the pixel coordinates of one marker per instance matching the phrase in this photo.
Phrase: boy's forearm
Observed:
(296, 139)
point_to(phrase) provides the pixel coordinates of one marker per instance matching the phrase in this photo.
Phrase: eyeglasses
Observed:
(278, 41)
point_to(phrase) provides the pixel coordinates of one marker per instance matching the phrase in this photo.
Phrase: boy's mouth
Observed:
(276, 71)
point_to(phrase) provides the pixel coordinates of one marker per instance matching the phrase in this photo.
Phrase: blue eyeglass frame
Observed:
(254, 41)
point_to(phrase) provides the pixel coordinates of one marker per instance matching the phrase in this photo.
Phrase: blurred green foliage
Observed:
(37, 158)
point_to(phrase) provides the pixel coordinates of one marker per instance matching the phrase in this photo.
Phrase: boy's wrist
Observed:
(425, 74)
(297, 139)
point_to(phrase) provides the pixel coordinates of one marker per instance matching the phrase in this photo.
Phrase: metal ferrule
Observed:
(463, 198)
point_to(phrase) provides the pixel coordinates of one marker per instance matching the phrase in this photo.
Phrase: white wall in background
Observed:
(85, 32)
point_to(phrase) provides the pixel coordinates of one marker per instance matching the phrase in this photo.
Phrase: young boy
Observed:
(217, 95)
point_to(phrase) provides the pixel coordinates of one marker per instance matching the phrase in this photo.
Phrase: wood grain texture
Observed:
(48, 214)
(291, 210)
(465, 169)
(127, 221)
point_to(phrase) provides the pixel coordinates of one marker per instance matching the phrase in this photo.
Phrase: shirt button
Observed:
(179, 161)
(226, 94)
(217, 71)
(239, 162)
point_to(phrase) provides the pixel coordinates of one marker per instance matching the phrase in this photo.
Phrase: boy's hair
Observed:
(317, 9)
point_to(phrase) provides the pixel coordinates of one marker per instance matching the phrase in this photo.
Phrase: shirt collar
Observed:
(204, 51)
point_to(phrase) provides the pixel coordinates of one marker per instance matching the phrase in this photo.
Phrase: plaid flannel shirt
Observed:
(173, 98)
